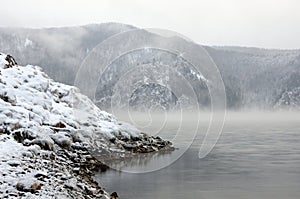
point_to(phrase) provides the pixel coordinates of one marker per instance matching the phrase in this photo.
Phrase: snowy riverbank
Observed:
(48, 133)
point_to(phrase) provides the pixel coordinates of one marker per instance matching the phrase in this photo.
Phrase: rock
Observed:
(8, 98)
(76, 170)
(41, 174)
(89, 191)
(27, 154)
(34, 149)
(114, 195)
(60, 125)
(36, 186)
(28, 186)
(4, 98)
(11, 62)
(62, 139)
(4, 131)
(13, 194)
(13, 163)
(45, 144)
(77, 137)
(20, 136)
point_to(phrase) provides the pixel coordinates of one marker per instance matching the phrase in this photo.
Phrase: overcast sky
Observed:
(258, 23)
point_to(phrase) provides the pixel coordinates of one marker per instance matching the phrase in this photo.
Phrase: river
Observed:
(257, 156)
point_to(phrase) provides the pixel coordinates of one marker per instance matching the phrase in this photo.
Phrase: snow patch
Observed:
(28, 42)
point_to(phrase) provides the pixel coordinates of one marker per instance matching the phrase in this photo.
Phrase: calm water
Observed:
(257, 156)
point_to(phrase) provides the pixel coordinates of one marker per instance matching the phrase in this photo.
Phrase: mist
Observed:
(253, 78)
(199, 98)
(256, 23)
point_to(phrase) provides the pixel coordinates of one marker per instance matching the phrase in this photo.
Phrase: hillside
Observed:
(253, 77)
(50, 134)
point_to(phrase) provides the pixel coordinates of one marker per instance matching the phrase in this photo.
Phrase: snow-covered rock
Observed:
(289, 99)
(47, 133)
(7, 61)
(31, 100)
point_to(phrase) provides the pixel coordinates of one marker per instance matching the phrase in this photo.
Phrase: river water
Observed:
(257, 156)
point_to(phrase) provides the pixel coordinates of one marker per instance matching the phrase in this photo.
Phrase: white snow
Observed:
(31, 102)
(33, 99)
(27, 42)
(198, 76)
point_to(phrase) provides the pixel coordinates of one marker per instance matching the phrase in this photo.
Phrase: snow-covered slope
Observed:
(253, 77)
(30, 99)
(289, 99)
(42, 47)
(256, 78)
(48, 127)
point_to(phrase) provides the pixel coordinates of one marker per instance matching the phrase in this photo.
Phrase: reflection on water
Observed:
(256, 157)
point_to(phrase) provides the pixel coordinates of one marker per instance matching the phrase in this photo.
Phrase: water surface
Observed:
(257, 156)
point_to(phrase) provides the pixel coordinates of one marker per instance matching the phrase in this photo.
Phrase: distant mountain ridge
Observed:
(259, 76)
(253, 77)
(59, 50)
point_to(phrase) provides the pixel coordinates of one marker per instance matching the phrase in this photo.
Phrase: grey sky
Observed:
(259, 23)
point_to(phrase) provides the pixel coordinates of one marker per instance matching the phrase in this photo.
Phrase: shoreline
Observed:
(49, 132)
(64, 171)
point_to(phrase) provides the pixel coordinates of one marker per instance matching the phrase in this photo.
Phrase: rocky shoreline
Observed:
(68, 171)
(53, 139)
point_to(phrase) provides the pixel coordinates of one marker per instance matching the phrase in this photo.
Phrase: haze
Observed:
(258, 23)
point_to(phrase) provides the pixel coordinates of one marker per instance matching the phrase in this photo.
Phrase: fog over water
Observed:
(257, 156)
